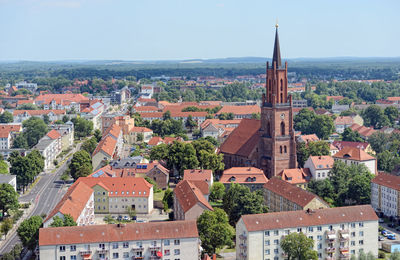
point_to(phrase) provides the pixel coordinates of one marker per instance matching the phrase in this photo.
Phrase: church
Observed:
(267, 143)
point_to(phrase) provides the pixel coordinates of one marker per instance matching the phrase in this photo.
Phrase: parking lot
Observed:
(392, 230)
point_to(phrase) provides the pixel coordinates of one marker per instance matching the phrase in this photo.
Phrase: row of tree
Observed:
(34, 129)
(26, 168)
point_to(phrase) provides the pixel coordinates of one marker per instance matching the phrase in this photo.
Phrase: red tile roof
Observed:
(344, 120)
(106, 145)
(188, 195)
(39, 112)
(114, 130)
(387, 180)
(146, 109)
(155, 140)
(54, 134)
(73, 202)
(355, 154)
(240, 110)
(322, 162)
(301, 218)
(336, 98)
(6, 129)
(197, 175)
(243, 175)
(61, 98)
(117, 233)
(139, 129)
(309, 138)
(358, 145)
(243, 139)
(296, 176)
(362, 130)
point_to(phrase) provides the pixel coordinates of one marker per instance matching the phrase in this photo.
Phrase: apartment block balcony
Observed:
(331, 235)
(137, 257)
(344, 231)
(154, 247)
(85, 252)
(344, 256)
(154, 257)
(243, 246)
(330, 249)
(344, 249)
(102, 251)
(243, 254)
(136, 249)
(243, 237)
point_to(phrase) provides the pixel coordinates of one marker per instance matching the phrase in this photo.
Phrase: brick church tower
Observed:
(277, 145)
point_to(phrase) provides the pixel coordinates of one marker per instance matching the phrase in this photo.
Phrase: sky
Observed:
(45, 30)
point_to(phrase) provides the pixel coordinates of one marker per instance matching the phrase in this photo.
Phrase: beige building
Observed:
(280, 195)
(338, 233)
(351, 155)
(155, 240)
(109, 148)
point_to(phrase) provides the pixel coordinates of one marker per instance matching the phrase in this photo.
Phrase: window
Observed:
(299, 230)
(282, 128)
(361, 233)
(353, 243)
(266, 233)
(73, 257)
(361, 242)
(319, 237)
(267, 242)
(353, 252)
(154, 243)
(310, 229)
(361, 224)
(102, 246)
(166, 242)
(62, 248)
(276, 251)
(319, 246)
(276, 232)
(177, 252)
(311, 237)
(115, 255)
(62, 257)
(287, 232)
(139, 244)
(285, 149)
(319, 228)
(276, 241)
(115, 245)
(167, 252)
(125, 244)
(177, 242)
(267, 251)
(72, 248)
(353, 234)
(330, 227)
(280, 149)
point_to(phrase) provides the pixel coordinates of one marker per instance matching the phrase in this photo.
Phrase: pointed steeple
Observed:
(277, 50)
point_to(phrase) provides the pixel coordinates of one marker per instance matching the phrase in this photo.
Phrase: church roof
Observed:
(243, 139)
(277, 51)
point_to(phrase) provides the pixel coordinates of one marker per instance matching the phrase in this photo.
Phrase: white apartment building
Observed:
(9, 179)
(385, 194)
(338, 233)
(170, 240)
(351, 155)
(319, 166)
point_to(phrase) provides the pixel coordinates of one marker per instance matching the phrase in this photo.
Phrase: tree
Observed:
(168, 199)
(323, 126)
(97, 135)
(6, 118)
(214, 230)
(159, 152)
(318, 148)
(302, 153)
(65, 118)
(375, 117)
(167, 115)
(20, 142)
(89, 145)
(387, 161)
(395, 255)
(238, 201)
(57, 222)
(152, 182)
(6, 226)
(27, 106)
(351, 136)
(82, 127)
(3, 167)
(392, 114)
(139, 137)
(35, 128)
(69, 221)
(190, 123)
(8, 198)
(211, 161)
(226, 116)
(46, 119)
(217, 191)
(298, 246)
(28, 231)
(379, 141)
(81, 165)
(303, 121)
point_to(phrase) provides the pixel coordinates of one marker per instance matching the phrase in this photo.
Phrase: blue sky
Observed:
(185, 29)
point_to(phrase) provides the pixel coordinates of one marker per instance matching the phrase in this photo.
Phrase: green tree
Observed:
(69, 221)
(351, 136)
(6, 226)
(97, 135)
(167, 115)
(46, 119)
(302, 153)
(89, 145)
(323, 126)
(226, 116)
(57, 222)
(35, 128)
(211, 161)
(238, 201)
(82, 127)
(387, 161)
(298, 246)
(81, 165)
(152, 182)
(20, 142)
(190, 123)
(375, 117)
(27, 106)
(168, 199)
(28, 231)
(6, 117)
(8, 198)
(214, 230)
(139, 137)
(395, 255)
(3, 167)
(131, 212)
(392, 114)
(303, 121)
(159, 152)
(318, 148)
(379, 141)
(217, 192)
(65, 119)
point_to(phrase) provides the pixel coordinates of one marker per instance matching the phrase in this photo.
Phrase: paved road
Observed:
(46, 194)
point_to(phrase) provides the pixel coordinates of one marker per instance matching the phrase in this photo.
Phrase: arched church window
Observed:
(282, 128)
(281, 85)
(280, 149)
(285, 149)
(268, 129)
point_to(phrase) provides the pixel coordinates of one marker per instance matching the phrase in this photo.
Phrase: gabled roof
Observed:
(106, 171)
(296, 176)
(197, 175)
(309, 138)
(107, 145)
(243, 139)
(54, 134)
(139, 129)
(114, 131)
(387, 180)
(290, 192)
(362, 130)
(188, 195)
(6, 129)
(39, 112)
(344, 120)
(355, 154)
(358, 145)
(243, 175)
(117, 233)
(73, 202)
(303, 218)
(322, 162)
(240, 110)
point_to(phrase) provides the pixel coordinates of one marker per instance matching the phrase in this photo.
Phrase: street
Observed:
(46, 194)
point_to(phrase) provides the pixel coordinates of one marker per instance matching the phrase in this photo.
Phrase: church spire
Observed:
(277, 52)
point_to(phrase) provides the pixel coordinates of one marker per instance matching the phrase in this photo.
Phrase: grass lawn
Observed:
(159, 195)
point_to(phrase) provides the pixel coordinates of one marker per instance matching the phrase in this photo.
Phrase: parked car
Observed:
(384, 232)
(381, 220)
(391, 237)
(392, 225)
(119, 217)
(381, 238)
(126, 218)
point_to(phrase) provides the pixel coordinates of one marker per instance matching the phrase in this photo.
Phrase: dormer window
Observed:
(232, 178)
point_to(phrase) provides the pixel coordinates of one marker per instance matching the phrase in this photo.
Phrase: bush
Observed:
(17, 215)
(381, 255)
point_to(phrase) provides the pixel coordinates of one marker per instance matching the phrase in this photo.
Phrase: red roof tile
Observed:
(387, 180)
(351, 153)
(296, 176)
(240, 110)
(197, 175)
(106, 145)
(54, 134)
(243, 175)
(188, 195)
(322, 162)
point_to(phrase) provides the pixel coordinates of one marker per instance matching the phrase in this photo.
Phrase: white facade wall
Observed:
(5, 142)
(175, 248)
(265, 244)
(389, 201)
(370, 164)
(375, 196)
(87, 215)
(317, 174)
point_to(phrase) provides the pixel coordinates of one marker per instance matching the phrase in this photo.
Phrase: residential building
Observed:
(32, 87)
(78, 202)
(351, 155)
(365, 132)
(280, 195)
(22, 115)
(109, 148)
(134, 133)
(343, 122)
(307, 138)
(93, 113)
(199, 175)
(215, 127)
(153, 240)
(7, 134)
(74, 102)
(241, 111)
(359, 145)
(49, 147)
(116, 195)
(160, 175)
(338, 233)
(67, 133)
(297, 176)
(190, 199)
(385, 190)
(9, 179)
(320, 166)
(251, 177)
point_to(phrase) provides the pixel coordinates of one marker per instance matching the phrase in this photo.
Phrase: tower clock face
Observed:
(282, 116)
